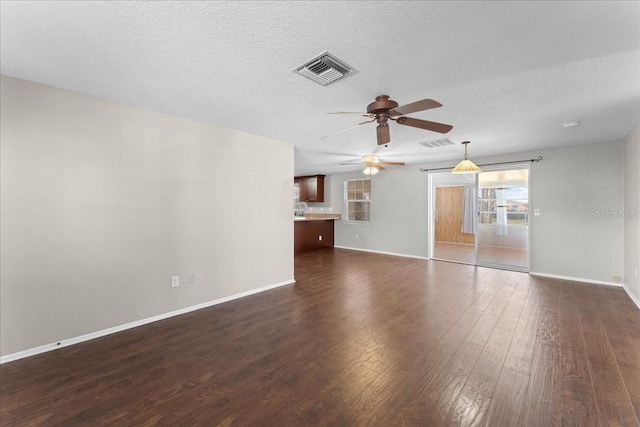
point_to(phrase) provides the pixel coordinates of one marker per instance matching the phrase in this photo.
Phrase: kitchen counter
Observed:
(310, 216)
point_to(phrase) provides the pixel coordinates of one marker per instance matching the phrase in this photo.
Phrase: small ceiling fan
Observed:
(385, 109)
(373, 164)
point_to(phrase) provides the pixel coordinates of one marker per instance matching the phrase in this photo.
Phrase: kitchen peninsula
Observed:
(313, 231)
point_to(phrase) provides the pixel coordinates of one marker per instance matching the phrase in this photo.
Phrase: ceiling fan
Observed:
(385, 109)
(373, 164)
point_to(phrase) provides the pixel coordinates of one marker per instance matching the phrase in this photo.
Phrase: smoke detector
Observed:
(325, 69)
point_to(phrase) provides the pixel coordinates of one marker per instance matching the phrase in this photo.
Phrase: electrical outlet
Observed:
(616, 279)
(175, 281)
(320, 238)
(191, 278)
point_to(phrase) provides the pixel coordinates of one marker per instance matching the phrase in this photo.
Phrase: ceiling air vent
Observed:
(437, 143)
(324, 69)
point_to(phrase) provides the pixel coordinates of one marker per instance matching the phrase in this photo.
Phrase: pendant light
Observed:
(466, 165)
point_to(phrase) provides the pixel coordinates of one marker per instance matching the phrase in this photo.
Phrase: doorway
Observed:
(481, 219)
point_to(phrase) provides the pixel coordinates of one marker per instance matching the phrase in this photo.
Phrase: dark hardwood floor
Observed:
(360, 340)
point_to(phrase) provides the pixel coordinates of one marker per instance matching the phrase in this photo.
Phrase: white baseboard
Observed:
(632, 296)
(576, 279)
(75, 340)
(381, 252)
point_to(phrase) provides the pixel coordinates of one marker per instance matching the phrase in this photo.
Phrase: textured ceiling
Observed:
(508, 74)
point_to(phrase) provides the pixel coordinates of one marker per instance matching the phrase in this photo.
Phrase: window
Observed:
(514, 199)
(357, 198)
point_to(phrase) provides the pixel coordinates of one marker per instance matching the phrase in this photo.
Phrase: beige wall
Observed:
(566, 186)
(632, 206)
(101, 203)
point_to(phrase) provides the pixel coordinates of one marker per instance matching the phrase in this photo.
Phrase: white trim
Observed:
(381, 252)
(82, 338)
(631, 295)
(577, 279)
(346, 201)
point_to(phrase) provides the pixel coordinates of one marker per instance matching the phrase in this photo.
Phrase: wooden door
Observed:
(450, 206)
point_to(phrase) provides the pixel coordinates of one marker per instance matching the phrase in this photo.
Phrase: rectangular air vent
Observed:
(437, 143)
(324, 69)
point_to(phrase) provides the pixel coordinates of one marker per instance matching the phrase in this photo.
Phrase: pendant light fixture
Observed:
(466, 165)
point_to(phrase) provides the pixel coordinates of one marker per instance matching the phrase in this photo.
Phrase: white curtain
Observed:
(469, 223)
(501, 212)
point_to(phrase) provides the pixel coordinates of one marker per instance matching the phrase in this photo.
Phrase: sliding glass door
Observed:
(503, 219)
(482, 219)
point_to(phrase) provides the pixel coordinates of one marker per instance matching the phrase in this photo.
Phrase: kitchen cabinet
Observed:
(311, 187)
(310, 235)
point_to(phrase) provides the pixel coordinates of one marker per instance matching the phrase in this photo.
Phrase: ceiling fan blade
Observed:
(425, 104)
(424, 124)
(380, 168)
(354, 113)
(352, 163)
(383, 134)
(350, 127)
(391, 163)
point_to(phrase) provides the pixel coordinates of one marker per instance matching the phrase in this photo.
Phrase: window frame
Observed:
(357, 192)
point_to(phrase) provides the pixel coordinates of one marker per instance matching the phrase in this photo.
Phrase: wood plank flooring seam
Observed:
(354, 343)
(621, 376)
(592, 375)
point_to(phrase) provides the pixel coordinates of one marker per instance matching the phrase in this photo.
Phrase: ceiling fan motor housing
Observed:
(370, 159)
(382, 104)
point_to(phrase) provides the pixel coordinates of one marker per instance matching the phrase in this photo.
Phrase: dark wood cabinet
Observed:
(311, 188)
(310, 235)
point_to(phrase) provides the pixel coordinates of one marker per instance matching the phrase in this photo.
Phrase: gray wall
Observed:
(566, 186)
(101, 203)
(632, 206)
(398, 212)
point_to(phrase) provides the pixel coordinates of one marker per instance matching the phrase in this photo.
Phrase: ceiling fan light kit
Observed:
(373, 164)
(370, 170)
(466, 165)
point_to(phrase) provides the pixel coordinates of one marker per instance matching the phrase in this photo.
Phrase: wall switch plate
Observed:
(175, 281)
(191, 278)
(320, 238)
(536, 212)
(356, 235)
